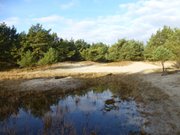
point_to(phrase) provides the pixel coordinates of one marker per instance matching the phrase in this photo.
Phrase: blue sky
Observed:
(93, 20)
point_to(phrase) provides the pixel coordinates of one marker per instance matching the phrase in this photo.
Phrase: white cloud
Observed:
(138, 21)
(55, 22)
(11, 21)
(49, 19)
(149, 15)
(141, 19)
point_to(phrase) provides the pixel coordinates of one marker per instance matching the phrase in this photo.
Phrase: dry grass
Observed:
(130, 85)
(126, 82)
(23, 76)
(119, 81)
(26, 73)
(30, 72)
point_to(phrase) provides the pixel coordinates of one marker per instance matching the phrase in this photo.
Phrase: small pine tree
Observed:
(27, 59)
(162, 54)
(49, 58)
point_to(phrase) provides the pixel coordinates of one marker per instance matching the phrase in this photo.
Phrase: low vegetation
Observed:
(162, 54)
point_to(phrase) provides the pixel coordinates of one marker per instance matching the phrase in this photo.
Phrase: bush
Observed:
(126, 50)
(162, 54)
(27, 59)
(132, 50)
(49, 58)
(114, 53)
(97, 52)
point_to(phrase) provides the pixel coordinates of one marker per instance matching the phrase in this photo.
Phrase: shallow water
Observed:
(93, 111)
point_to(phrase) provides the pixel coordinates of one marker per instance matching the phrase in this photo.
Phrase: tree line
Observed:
(40, 46)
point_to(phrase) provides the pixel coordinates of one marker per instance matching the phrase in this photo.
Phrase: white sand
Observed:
(134, 67)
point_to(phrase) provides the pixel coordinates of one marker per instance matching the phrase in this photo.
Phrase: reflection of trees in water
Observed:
(38, 103)
(9, 104)
(118, 91)
(55, 122)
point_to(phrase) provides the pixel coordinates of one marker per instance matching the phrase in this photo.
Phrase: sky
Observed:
(93, 20)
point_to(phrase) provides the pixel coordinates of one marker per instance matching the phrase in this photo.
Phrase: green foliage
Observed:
(114, 51)
(67, 50)
(18, 50)
(8, 42)
(27, 59)
(126, 50)
(159, 39)
(132, 50)
(173, 44)
(39, 40)
(81, 45)
(97, 52)
(43, 47)
(49, 58)
(167, 37)
(162, 54)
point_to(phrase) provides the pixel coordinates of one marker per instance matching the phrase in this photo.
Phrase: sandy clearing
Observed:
(134, 67)
(169, 83)
(82, 67)
(66, 69)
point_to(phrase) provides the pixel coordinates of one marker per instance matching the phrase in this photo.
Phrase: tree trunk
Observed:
(163, 69)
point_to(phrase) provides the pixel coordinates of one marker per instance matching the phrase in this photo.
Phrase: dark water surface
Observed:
(101, 112)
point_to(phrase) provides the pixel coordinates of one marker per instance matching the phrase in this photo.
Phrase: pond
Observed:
(93, 111)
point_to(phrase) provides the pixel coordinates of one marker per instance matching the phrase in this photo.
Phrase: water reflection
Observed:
(94, 111)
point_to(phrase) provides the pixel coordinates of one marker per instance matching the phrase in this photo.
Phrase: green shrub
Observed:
(27, 59)
(132, 50)
(162, 54)
(49, 58)
(97, 52)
